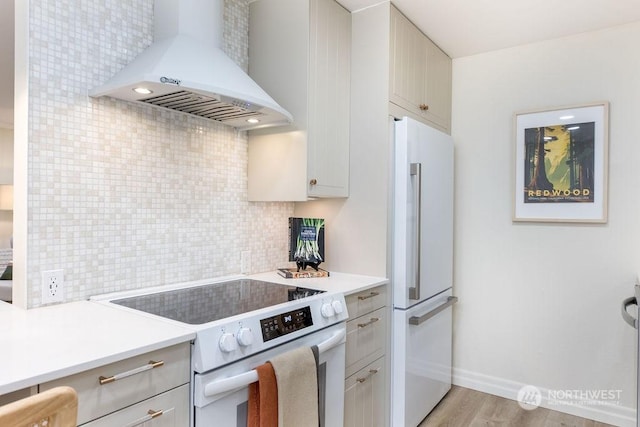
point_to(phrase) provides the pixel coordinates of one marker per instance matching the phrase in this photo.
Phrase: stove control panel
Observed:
(245, 337)
(222, 342)
(286, 323)
(332, 308)
(227, 343)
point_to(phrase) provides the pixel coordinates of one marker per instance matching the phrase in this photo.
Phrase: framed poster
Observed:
(561, 164)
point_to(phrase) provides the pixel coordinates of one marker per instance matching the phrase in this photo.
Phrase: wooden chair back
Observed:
(57, 407)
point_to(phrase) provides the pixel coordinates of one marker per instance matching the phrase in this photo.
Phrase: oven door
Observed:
(224, 403)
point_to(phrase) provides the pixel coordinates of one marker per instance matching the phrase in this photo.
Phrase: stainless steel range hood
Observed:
(185, 70)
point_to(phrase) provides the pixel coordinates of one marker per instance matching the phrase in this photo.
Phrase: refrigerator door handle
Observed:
(632, 321)
(415, 169)
(416, 320)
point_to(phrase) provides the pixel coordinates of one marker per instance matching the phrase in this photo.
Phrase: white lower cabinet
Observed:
(169, 409)
(366, 391)
(141, 388)
(364, 396)
(366, 340)
(17, 395)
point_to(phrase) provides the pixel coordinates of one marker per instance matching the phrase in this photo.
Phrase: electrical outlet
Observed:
(245, 262)
(52, 286)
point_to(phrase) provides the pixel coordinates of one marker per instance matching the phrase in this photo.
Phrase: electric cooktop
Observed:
(207, 303)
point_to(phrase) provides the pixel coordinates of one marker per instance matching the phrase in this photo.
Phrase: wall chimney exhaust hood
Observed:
(185, 70)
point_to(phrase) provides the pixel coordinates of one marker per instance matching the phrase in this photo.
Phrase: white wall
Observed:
(539, 303)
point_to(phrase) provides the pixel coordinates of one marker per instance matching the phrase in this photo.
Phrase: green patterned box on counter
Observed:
(306, 242)
(294, 273)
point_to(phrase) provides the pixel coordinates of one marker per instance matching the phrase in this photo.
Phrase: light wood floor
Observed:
(463, 407)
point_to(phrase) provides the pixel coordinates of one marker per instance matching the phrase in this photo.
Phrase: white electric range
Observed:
(241, 323)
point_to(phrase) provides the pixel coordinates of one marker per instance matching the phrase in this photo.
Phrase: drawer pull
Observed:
(154, 414)
(371, 373)
(371, 295)
(152, 364)
(151, 414)
(364, 325)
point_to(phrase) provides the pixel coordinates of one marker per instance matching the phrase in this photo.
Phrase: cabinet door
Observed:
(366, 301)
(420, 75)
(438, 87)
(170, 409)
(329, 95)
(366, 339)
(300, 53)
(365, 397)
(112, 387)
(408, 63)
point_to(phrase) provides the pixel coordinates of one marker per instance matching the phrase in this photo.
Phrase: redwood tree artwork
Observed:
(538, 179)
(559, 163)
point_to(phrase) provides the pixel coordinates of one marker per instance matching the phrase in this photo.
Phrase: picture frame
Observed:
(561, 164)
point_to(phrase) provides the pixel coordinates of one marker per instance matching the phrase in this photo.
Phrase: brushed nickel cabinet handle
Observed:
(154, 414)
(151, 414)
(371, 373)
(152, 364)
(371, 295)
(313, 182)
(370, 322)
(424, 107)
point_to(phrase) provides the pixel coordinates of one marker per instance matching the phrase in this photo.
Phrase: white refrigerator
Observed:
(421, 270)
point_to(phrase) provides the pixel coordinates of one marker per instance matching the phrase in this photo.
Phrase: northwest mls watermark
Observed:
(530, 397)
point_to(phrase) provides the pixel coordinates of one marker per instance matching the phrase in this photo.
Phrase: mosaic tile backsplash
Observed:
(123, 196)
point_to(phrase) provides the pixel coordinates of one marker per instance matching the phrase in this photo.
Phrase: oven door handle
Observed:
(228, 384)
(231, 383)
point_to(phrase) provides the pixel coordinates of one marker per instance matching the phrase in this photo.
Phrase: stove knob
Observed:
(337, 307)
(227, 343)
(327, 310)
(245, 337)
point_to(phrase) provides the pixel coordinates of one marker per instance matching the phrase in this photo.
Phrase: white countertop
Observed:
(343, 282)
(46, 343)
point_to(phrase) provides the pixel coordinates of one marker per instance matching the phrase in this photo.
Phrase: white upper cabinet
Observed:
(420, 74)
(299, 53)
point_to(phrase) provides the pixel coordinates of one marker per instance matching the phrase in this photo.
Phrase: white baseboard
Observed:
(602, 411)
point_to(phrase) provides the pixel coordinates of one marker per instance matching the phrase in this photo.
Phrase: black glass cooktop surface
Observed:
(206, 303)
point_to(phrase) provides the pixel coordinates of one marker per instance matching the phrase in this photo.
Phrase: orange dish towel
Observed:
(263, 399)
(297, 388)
